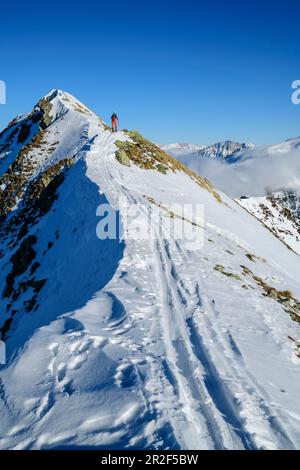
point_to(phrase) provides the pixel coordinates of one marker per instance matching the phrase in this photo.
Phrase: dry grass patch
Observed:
(149, 156)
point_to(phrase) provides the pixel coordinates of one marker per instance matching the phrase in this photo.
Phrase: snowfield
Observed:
(146, 343)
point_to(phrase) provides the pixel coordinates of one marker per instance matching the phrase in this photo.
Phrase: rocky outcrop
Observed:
(149, 156)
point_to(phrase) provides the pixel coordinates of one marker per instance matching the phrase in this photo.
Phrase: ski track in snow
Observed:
(208, 415)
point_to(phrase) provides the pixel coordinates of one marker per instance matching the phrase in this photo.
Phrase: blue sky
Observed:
(198, 71)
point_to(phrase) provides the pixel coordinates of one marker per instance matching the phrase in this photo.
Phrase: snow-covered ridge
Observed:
(136, 343)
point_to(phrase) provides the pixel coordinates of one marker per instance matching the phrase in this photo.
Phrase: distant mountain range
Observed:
(267, 178)
(221, 150)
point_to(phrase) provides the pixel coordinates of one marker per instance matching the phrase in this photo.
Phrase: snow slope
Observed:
(142, 343)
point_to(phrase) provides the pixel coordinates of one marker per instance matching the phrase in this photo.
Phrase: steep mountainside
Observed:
(278, 212)
(182, 335)
(273, 172)
(290, 200)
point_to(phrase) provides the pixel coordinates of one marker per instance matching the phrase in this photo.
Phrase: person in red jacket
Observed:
(114, 122)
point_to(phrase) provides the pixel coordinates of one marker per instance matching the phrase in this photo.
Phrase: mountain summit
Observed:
(149, 340)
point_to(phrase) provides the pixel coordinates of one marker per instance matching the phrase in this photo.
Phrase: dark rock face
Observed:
(37, 201)
(20, 261)
(16, 179)
(27, 193)
(44, 108)
(24, 133)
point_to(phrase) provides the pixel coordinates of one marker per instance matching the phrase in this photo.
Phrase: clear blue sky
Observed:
(188, 70)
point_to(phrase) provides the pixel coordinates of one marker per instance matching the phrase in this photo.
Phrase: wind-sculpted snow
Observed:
(150, 342)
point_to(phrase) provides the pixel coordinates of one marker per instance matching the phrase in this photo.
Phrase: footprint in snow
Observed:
(71, 324)
(126, 375)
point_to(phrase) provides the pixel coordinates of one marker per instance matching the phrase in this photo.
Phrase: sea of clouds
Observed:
(253, 172)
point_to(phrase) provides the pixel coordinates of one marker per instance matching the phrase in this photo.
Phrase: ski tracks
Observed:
(203, 427)
(240, 400)
(210, 400)
(179, 376)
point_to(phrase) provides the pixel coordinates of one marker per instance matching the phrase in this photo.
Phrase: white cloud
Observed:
(257, 171)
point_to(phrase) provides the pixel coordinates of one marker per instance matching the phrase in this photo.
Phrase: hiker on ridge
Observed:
(114, 122)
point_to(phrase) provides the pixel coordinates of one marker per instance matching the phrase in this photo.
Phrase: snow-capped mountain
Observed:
(224, 150)
(259, 170)
(268, 175)
(182, 148)
(274, 173)
(154, 339)
(221, 150)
